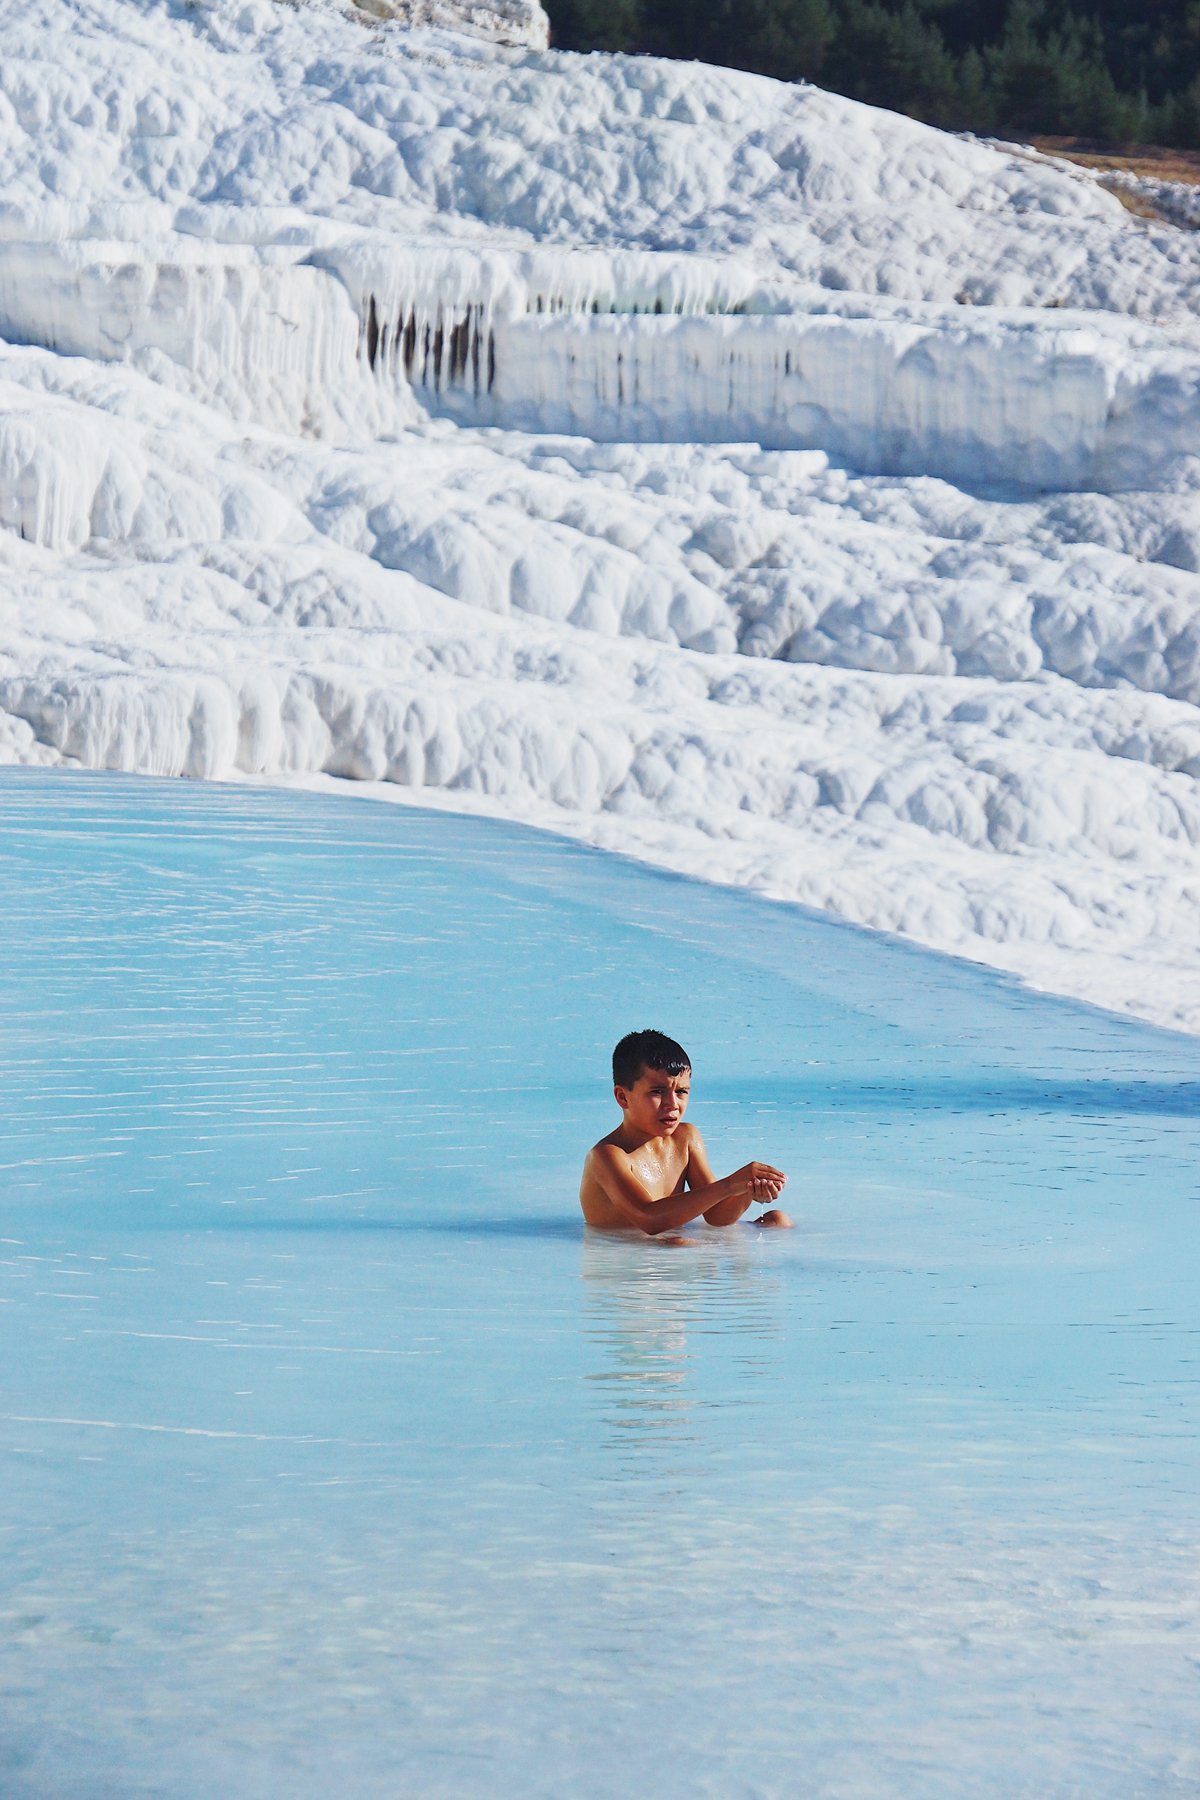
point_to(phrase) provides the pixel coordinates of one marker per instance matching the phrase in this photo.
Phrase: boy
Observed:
(636, 1176)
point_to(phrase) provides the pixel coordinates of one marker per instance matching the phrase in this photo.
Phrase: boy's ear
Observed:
(621, 1096)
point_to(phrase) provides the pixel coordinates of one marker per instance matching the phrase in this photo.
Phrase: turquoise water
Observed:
(339, 1459)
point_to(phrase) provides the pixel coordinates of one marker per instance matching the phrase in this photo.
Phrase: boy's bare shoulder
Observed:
(605, 1148)
(685, 1135)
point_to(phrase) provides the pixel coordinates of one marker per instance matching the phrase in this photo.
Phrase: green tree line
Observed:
(1120, 72)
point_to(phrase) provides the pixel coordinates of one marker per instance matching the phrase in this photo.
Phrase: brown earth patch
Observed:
(1137, 159)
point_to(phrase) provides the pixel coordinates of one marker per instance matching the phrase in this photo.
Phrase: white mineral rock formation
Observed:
(706, 467)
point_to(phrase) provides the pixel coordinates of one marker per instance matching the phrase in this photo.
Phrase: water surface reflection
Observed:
(676, 1331)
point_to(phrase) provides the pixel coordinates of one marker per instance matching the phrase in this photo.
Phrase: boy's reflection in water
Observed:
(677, 1332)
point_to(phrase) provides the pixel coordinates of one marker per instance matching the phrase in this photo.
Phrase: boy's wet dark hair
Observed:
(640, 1050)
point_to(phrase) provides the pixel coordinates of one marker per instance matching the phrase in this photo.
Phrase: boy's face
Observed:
(656, 1102)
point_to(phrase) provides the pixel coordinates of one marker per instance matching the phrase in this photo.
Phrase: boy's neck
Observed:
(634, 1138)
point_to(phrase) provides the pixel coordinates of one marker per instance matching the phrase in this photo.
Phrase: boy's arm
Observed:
(728, 1209)
(622, 1187)
(723, 1202)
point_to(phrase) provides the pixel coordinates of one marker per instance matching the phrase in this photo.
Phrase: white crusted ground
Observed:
(926, 651)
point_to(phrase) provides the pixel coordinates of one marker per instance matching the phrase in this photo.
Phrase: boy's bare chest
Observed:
(660, 1173)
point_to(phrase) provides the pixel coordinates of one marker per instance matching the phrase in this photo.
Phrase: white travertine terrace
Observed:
(781, 490)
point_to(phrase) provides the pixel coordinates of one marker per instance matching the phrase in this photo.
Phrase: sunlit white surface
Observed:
(337, 1458)
(698, 465)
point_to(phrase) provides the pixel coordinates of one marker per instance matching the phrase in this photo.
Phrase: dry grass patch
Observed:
(1136, 159)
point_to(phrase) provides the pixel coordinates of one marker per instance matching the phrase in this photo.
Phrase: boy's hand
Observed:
(761, 1182)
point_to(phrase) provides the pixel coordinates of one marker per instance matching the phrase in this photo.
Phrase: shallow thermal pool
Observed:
(337, 1460)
